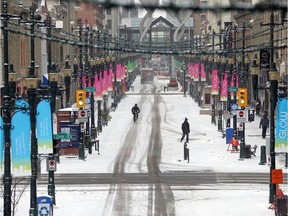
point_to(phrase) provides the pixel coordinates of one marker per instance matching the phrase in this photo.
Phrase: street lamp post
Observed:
(53, 80)
(98, 69)
(67, 81)
(31, 82)
(273, 77)
(93, 128)
(87, 76)
(81, 144)
(184, 69)
(7, 179)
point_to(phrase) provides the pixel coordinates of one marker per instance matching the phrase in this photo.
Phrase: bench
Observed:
(253, 150)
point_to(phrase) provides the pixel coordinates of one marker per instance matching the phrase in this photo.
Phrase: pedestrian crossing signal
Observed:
(80, 98)
(242, 97)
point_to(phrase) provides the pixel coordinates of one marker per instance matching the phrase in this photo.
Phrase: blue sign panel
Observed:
(44, 127)
(74, 130)
(20, 141)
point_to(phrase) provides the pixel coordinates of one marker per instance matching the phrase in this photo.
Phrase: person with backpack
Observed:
(135, 110)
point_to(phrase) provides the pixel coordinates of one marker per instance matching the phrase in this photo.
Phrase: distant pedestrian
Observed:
(257, 106)
(185, 130)
(264, 123)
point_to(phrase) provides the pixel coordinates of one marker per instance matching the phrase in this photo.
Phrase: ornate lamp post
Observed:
(273, 76)
(7, 178)
(67, 80)
(254, 70)
(99, 101)
(93, 128)
(53, 80)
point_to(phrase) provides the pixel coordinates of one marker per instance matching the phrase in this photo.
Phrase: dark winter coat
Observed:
(135, 109)
(185, 127)
(264, 122)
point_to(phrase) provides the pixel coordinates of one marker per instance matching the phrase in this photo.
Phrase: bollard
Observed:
(186, 152)
(263, 155)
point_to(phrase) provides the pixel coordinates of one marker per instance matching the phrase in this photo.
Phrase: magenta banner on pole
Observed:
(192, 71)
(110, 83)
(98, 88)
(196, 72)
(203, 74)
(118, 73)
(224, 88)
(84, 81)
(214, 82)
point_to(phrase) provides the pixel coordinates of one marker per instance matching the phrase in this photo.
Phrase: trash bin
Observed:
(247, 151)
(281, 205)
(229, 135)
(45, 206)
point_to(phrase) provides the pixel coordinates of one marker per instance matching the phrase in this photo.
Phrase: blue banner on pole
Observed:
(20, 141)
(1, 144)
(44, 127)
(281, 136)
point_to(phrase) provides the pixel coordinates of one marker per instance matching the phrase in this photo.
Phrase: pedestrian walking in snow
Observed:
(185, 130)
(264, 123)
(258, 106)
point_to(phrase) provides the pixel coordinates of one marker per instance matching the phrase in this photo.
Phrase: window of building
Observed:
(203, 18)
(108, 11)
(109, 24)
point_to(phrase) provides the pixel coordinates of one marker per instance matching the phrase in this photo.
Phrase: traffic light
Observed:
(80, 98)
(242, 97)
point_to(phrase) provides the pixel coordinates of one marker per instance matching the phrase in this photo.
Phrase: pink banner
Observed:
(83, 81)
(214, 82)
(110, 82)
(203, 74)
(104, 83)
(192, 71)
(224, 88)
(118, 72)
(196, 72)
(98, 87)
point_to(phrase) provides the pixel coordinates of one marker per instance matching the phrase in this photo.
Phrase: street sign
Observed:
(72, 117)
(62, 136)
(233, 89)
(277, 176)
(51, 165)
(90, 89)
(234, 106)
(242, 116)
(82, 116)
